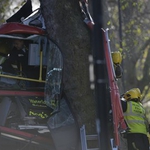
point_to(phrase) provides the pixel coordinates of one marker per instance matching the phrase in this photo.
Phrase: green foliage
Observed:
(3, 6)
(135, 20)
(108, 23)
(12, 6)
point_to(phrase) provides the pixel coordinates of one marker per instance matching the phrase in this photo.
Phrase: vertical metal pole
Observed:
(101, 77)
(120, 38)
(41, 60)
(120, 24)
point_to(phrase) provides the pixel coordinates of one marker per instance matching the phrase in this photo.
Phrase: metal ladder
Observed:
(85, 138)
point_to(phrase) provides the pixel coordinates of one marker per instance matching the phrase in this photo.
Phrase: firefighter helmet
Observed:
(116, 57)
(138, 93)
(134, 93)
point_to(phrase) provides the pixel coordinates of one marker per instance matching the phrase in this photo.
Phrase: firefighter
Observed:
(18, 55)
(136, 120)
(117, 59)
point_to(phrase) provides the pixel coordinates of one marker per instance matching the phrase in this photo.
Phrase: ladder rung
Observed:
(93, 149)
(91, 137)
(85, 137)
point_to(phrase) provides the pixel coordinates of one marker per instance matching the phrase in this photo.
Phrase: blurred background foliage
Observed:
(129, 30)
(130, 34)
(9, 7)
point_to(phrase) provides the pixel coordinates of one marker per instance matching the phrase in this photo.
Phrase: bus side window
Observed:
(34, 55)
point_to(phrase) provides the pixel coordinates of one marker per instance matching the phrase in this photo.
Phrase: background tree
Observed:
(135, 31)
(65, 25)
(4, 5)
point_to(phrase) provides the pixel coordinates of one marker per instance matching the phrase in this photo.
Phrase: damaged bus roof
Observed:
(18, 28)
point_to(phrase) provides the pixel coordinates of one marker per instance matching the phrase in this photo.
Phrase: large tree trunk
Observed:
(64, 25)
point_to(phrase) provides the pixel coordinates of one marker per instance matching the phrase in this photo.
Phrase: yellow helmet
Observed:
(116, 57)
(134, 93)
(138, 92)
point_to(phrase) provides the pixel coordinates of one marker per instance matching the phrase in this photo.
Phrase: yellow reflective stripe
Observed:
(132, 114)
(136, 121)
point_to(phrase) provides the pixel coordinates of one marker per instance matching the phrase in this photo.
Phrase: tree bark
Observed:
(64, 24)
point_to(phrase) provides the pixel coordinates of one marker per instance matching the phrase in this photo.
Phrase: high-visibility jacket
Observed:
(135, 118)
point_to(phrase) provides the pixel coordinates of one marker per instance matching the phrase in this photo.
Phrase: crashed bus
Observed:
(32, 107)
(26, 103)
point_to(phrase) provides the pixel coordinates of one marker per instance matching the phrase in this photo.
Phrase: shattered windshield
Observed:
(53, 76)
